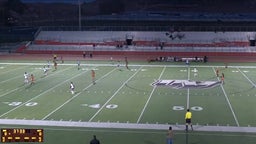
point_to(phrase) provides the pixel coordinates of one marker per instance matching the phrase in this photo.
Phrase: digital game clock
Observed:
(21, 135)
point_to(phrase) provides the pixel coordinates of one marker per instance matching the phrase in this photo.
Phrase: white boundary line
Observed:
(139, 65)
(142, 112)
(246, 77)
(227, 99)
(134, 126)
(113, 95)
(76, 95)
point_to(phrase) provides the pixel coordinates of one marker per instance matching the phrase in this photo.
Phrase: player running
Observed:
(32, 79)
(55, 64)
(48, 64)
(45, 70)
(72, 88)
(26, 78)
(222, 78)
(78, 65)
(126, 63)
(93, 76)
(217, 72)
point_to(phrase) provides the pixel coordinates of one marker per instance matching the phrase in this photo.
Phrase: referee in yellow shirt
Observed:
(188, 118)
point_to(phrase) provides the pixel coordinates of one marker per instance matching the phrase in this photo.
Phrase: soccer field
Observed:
(144, 97)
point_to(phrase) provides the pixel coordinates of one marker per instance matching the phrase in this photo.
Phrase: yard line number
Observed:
(180, 108)
(19, 103)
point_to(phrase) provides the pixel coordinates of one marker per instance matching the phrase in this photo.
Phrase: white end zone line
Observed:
(227, 99)
(149, 97)
(143, 65)
(134, 126)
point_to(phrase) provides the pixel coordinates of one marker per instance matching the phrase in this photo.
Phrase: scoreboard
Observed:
(21, 135)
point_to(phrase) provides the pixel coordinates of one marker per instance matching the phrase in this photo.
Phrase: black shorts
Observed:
(188, 121)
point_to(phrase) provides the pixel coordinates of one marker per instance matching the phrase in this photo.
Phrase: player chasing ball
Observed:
(72, 88)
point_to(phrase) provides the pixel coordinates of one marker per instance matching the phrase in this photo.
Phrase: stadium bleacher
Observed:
(150, 44)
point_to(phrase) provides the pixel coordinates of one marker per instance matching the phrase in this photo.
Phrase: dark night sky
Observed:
(62, 1)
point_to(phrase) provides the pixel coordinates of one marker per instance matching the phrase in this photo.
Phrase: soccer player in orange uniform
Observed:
(55, 64)
(93, 76)
(126, 63)
(32, 79)
(222, 78)
(217, 72)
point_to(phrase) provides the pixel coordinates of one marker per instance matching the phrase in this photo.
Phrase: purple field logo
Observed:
(184, 84)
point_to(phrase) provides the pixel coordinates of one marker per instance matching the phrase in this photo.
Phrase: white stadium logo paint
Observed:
(183, 84)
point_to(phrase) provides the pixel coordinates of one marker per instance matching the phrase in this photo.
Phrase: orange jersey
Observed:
(93, 73)
(32, 78)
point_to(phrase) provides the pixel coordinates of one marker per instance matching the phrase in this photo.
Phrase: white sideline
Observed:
(139, 65)
(145, 126)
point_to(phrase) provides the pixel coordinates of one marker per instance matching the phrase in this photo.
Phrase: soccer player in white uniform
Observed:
(45, 70)
(195, 72)
(26, 78)
(72, 88)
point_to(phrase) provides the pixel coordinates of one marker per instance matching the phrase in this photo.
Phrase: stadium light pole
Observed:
(79, 15)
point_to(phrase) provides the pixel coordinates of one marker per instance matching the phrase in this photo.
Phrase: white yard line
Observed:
(142, 112)
(42, 93)
(188, 98)
(229, 104)
(113, 95)
(76, 95)
(246, 77)
(188, 89)
(12, 70)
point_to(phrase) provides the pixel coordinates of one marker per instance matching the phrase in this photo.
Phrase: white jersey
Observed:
(25, 75)
(72, 86)
(45, 70)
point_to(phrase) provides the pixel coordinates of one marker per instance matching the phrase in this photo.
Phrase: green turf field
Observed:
(123, 105)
